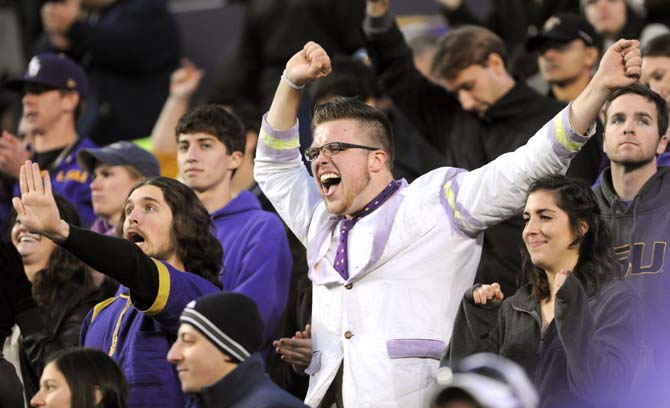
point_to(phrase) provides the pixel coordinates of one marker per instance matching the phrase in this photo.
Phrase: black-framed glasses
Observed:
(333, 148)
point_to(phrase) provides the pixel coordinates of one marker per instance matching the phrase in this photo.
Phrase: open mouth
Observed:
(329, 181)
(135, 237)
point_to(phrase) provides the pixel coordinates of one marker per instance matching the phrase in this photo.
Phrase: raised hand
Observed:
(58, 17)
(621, 65)
(308, 65)
(487, 293)
(36, 209)
(185, 80)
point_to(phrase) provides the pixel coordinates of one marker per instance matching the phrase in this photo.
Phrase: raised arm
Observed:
(306, 66)
(279, 169)
(120, 259)
(430, 108)
(183, 83)
(619, 67)
(496, 191)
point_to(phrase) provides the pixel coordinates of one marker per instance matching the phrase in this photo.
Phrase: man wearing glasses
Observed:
(389, 261)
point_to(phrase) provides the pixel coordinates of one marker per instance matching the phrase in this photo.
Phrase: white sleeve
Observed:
(283, 178)
(480, 198)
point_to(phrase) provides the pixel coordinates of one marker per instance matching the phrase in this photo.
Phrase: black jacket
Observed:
(589, 351)
(514, 21)
(272, 31)
(247, 386)
(467, 140)
(129, 50)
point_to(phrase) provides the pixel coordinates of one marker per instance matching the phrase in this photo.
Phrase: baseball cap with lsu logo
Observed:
(561, 29)
(52, 71)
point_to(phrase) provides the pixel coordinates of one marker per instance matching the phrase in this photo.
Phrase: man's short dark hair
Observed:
(463, 47)
(651, 96)
(217, 121)
(658, 46)
(377, 127)
(192, 229)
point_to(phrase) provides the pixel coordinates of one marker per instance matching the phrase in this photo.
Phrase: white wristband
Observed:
(290, 83)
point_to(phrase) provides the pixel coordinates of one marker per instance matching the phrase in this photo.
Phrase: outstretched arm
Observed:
(279, 169)
(183, 83)
(306, 66)
(38, 213)
(619, 67)
(496, 191)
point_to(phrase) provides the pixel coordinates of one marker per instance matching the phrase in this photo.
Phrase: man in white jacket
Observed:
(390, 261)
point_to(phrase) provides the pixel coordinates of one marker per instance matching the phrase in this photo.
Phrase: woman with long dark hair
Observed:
(82, 378)
(61, 288)
(572, 327)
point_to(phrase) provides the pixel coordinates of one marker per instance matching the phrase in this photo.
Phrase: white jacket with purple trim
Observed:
(410, 261)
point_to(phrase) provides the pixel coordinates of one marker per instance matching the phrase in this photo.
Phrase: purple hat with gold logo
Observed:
(52, 71)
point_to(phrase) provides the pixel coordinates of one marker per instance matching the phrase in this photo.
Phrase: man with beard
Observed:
(389, 261)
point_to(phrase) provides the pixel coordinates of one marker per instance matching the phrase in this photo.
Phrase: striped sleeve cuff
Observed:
(566, 142)
(458, 216)
(163, 289)
(278, 144)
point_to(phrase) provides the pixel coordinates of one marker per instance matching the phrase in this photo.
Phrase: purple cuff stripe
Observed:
(459, 218)
(415, 348)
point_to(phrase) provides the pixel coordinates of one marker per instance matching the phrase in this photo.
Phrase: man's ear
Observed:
(71, 101)
(377, 161)
(662, 144)
(495, 62)
(235, 160)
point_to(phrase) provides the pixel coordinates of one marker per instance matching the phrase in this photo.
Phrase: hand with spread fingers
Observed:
(308, 65)
(297, 350)
(487, 293)
(36, 208)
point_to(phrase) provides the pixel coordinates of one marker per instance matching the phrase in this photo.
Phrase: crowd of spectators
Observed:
(352, 217)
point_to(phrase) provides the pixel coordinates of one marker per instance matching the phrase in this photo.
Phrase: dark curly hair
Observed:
(192, 229)
(63, 270)
(596, 264)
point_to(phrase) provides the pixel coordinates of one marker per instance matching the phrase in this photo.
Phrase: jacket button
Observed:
(348, 335)
(349, 286)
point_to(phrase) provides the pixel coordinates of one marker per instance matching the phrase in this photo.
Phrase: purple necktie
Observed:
(341, 264)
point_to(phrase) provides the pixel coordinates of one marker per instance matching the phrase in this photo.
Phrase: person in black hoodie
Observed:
(573, 327)
(483, 113)
(633, 197)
